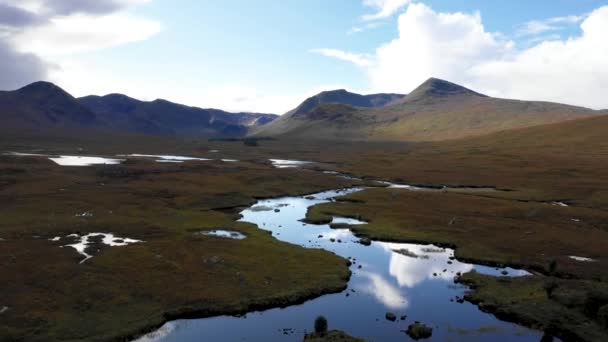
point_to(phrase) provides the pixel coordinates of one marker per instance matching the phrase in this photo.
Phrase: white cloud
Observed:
(384, 8)
(535, 27)
(67, 7)
(357, 59)
(82, 33)
(36, 36)
(433, 44)
(383, 291)
(367, 26)
(457, 47)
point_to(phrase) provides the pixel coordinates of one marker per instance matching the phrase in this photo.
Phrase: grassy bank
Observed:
(175, 272)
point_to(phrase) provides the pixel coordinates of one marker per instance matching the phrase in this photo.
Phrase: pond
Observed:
(415, 282)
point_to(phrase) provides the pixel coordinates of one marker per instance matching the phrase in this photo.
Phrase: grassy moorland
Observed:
(563, 162)
(175, 272)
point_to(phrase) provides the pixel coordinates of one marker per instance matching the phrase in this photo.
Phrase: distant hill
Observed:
(436, 110)
(43, 106)
(163, 117)
(342, 96)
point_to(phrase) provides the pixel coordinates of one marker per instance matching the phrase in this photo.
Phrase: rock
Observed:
(434, 274)
(403, 317)
(504, 272)
(390, 316)
(332, 240)
(449, 262)
(360, 267)
(419, 331)
(277, 210)
(320, 237)
(339, 241)
(365, 241)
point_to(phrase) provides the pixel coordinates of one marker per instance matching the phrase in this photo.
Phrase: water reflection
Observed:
(412, 281)
(383, 290)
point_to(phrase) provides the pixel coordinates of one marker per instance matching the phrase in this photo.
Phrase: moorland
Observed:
(550, 203)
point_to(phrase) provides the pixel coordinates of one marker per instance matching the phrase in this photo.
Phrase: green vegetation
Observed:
(174, 273)
(321, 325)
(524, 301)
(418, 331)
(322, 335)
(550, 286)
(595, 300)
(178, 273)
(602, 316)
(486, 230)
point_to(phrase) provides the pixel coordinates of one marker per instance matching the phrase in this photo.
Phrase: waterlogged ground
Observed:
(415, 282)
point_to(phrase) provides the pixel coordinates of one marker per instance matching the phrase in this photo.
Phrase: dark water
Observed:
(416, 282)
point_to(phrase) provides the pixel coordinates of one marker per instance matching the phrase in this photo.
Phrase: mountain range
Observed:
(45, 106)
(436, 110)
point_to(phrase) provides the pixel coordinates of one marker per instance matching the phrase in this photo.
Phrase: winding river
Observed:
(415, 282)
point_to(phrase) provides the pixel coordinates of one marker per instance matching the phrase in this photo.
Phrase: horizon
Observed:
(365, 47)
(278, 114)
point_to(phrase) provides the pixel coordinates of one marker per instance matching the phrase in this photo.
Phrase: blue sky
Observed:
(268, 55)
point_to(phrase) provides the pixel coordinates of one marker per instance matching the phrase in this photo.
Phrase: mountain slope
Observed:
(43, 106)
(342, 96)
(163, 117)
(436, 110)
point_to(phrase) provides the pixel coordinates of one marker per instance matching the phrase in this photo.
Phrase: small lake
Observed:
(410, 280)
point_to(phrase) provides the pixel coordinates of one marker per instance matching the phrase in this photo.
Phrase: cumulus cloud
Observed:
(433, 44)
(11, 16)
(33, 32)
(457, 46)
(83, 33)
(68, 7)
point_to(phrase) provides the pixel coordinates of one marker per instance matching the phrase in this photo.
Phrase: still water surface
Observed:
(409, 280)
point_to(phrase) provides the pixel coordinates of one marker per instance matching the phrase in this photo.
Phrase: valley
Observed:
(116, 235)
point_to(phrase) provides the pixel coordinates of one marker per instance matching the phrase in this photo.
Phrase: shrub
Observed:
(321, 325)
(602, 316)
(419, 331)
(550, 286)
(552, 267)
(594, 301)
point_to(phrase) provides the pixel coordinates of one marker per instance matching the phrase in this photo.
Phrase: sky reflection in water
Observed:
(416, 281)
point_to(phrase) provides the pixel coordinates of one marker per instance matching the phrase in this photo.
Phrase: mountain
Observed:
(43, 106)
(167, 118)
(342, 96)
(436, 110)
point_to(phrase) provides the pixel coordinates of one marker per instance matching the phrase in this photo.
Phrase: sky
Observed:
(269, 55)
